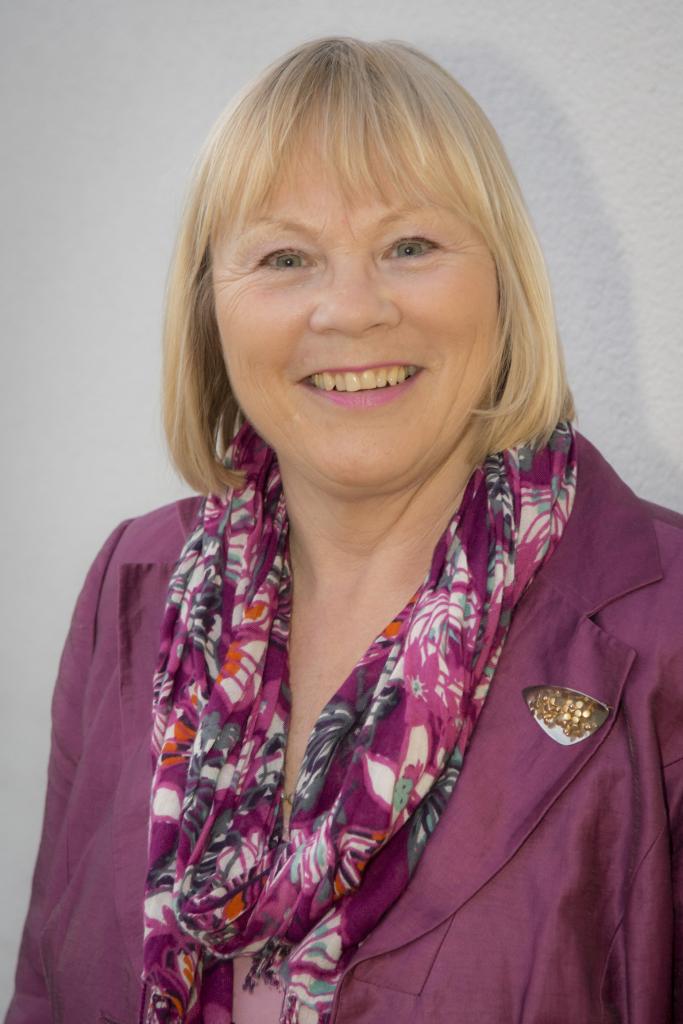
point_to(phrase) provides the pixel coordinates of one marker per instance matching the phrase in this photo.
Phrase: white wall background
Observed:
(103, 107)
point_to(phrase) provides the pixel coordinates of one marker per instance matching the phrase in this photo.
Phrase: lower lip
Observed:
(369, 398)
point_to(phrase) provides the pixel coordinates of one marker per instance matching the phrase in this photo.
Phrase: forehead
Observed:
(310, 218)
(316, 202)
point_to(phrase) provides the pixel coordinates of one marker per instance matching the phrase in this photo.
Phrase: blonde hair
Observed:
(384, 115)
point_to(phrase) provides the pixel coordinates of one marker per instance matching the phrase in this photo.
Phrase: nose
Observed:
(352, 299)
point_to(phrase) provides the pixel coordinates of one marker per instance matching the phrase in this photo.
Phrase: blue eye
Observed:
(290, 259)
(414, 246)
(286, 255)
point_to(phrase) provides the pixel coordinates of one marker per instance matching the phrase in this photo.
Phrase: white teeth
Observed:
(366, 380)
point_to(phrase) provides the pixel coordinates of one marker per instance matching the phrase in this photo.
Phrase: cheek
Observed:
(253, 338)
(461, 301)
(478, 332)
(257, 360)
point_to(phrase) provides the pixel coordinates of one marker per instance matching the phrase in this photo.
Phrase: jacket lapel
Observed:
(513, 771)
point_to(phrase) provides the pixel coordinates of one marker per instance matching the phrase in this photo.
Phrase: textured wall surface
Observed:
(103, 108)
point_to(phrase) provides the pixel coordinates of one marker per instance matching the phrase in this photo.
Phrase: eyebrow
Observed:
(309, 229)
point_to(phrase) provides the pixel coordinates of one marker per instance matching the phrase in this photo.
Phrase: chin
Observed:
(359, 471)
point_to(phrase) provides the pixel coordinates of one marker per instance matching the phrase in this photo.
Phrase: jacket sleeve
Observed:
(673, 775)
(673, 781)
(31, 1002)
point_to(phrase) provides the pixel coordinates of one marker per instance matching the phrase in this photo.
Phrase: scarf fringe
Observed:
(292, 1013)
(266, 964)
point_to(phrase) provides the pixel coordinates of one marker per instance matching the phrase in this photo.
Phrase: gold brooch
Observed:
(568, 716)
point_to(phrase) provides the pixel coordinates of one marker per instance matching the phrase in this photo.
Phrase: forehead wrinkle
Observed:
(314, 231)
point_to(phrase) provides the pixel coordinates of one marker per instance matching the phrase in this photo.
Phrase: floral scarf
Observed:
(381, 762)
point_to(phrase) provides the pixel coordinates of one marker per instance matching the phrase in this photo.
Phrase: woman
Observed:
(397, 532)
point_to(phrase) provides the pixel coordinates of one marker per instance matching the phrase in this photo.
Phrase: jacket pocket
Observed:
(405, 969)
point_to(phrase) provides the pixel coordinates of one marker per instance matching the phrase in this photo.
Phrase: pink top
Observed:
(262, 1006)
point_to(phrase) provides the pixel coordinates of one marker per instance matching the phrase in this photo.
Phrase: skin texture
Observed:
(369, 491)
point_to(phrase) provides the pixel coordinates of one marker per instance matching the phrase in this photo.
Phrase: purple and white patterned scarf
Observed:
(381, 762)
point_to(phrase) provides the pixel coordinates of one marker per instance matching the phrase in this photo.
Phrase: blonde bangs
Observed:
(381, 138)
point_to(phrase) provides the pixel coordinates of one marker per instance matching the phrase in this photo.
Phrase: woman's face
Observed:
(315, 292)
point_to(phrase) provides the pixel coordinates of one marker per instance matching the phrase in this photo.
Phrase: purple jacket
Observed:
(552, 889)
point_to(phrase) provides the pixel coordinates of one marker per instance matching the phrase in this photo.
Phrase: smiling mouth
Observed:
(364, 380)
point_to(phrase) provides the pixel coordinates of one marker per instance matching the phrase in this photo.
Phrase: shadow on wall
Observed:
(588, 267)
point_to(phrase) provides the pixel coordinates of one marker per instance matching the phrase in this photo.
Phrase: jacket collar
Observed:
(188, 509)
(609, 546)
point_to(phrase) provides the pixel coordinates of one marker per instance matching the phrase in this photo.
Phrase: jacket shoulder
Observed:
(605, 484)
(613, 518)
(665, 519)
(668, 528)
(158, 535)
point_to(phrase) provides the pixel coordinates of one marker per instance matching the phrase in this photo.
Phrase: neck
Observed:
(344, 546)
